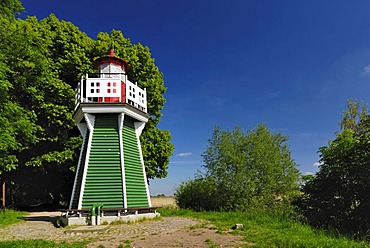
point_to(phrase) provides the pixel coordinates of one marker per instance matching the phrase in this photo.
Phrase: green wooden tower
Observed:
(111, 113)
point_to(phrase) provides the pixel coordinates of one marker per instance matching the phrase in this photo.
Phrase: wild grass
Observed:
(40, 243)
(162, 201)
(260, 229)
(263, 229)
(9, 217)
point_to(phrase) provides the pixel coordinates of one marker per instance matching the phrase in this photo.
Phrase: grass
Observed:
(210, 243)
(40, 243)
(260, 229)
(268, 229)
(161, 201)
(9, 217)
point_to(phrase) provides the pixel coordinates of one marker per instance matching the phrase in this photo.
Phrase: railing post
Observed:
(126, 81)
(82, 90)
(3, 190)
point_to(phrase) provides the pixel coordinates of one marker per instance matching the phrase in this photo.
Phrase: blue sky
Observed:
(290, 64)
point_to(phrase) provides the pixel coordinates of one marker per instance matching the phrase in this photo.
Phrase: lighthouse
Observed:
(111, 113)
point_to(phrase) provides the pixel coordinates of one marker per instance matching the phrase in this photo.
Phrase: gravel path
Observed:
(166, 232)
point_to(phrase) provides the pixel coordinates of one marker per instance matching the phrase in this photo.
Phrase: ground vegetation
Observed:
(243, 171)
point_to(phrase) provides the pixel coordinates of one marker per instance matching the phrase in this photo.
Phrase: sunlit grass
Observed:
(268, 229)
(162, 201)
(40, 243)
(9, 216)
(260, 229)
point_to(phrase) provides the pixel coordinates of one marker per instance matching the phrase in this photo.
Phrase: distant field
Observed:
(163, 201)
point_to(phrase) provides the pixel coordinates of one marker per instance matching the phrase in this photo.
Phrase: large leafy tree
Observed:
(242, 171)
(39, 122)
(14, 121)
(338, 197)
(41, 63)
(10, 9)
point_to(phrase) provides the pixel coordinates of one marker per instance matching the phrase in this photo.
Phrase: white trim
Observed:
(139, 126)
(135, 115)
(108, 109)
(82, 90)
(83, 129)
(121, 119)
(90, 121)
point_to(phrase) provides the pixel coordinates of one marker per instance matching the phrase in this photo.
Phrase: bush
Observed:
(243, 171)
(199, 194)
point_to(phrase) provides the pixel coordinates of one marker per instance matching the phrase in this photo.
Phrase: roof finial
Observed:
(111, 54)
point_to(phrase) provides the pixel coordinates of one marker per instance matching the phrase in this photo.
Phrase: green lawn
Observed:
(39, 243)
(9, 216)
(269, 230)
(259, 228)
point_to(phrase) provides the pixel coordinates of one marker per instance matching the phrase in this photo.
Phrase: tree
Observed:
(10, 8)
(243, 171)
(39, 121)
(355, 112)
(41, 64)
(338, 196)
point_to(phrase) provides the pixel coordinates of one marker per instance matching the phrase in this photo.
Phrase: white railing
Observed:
(135, 96)
(103, 88)
(109, 89)
(78, 95)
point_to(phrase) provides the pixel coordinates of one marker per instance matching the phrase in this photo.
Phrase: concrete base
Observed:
(84, 220)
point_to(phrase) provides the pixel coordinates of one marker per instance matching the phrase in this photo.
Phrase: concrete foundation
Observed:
(106, 219)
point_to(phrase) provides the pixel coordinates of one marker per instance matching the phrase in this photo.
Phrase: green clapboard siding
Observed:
(76, 193)
(135, 181)
(104, 177)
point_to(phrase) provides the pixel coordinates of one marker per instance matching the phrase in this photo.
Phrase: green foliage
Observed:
(10, 9)
(338, 196)
(9, 216)
(38, 122)
(157, 150)
(199, 194)
(243, 171)
(355, 112)
(264, 228)
(41, 63)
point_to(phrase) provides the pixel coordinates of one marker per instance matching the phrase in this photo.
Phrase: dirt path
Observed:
(166, 232)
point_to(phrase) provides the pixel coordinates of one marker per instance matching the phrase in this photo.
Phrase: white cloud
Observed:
(273, 94)
(184, 154)
(366, 70)
(308, 173)
(317, 164)
(185, 162)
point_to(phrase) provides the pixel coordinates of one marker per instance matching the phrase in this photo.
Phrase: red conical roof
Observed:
(111, 59)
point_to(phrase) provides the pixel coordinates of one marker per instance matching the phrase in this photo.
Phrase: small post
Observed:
(93, 215)
(3, 187)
